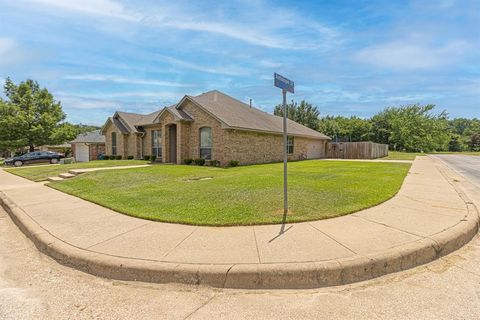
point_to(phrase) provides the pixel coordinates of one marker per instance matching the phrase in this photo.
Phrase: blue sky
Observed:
(346, 57)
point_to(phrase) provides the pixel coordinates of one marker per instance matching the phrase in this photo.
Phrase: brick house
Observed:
(88, 146)
(213, 126)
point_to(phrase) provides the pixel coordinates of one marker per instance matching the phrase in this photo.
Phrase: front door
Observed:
(172, 143)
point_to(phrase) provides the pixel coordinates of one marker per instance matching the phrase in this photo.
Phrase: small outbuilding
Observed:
(88, 146)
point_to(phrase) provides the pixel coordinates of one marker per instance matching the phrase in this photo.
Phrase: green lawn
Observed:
(41, 173)
(397, 155)
(241, 195)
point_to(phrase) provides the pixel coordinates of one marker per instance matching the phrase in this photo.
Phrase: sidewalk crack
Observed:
(118, 235)
(311, 225)
(256, 245)
(226, 275)
(178, 244)
(389, 226)
(200, 307)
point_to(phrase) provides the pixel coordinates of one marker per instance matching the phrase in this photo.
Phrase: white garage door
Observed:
(82, 153)
(314, 150)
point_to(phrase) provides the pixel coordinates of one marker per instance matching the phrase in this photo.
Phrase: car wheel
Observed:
(18, 163)
(54, 161)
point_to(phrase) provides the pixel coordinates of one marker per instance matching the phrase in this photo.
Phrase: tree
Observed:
(455, 143)
(474, 142)
(64, 133)
(30, 115)
(83, 128)
(462, 130)
(412, 128)
(351, 129)
(303, 113)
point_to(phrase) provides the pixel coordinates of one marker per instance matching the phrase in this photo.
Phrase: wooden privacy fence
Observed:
(356, 150)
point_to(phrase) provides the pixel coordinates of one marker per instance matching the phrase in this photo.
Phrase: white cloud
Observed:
(242, 33)
(6, 46)
(155, 95)
(84, 103)
(112, 78)
(12, 54)
(226, 70)
(406, 55)
(269, 63)
(258, 24)
(107, 8)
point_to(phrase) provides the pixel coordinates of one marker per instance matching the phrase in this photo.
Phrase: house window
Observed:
(206, 143)
(157, 143)
(114, 143)
(290, 142)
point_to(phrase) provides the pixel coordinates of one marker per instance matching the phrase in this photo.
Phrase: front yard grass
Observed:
(41, 173)
(242, 195)
(398, 155)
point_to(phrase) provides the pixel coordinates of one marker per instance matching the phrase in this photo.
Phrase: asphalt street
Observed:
(469, 166)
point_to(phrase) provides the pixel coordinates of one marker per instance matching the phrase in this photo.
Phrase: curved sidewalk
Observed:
(431, 216)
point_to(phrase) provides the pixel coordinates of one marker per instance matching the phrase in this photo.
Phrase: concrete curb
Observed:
(250, 276)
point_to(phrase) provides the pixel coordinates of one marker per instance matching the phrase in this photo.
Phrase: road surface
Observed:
(469, 166)
(33, 286)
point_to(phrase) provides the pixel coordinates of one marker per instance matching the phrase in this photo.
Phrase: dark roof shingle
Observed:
(89, 137)
(237, 114)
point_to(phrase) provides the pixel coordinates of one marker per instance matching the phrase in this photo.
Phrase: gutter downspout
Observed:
(142, 151)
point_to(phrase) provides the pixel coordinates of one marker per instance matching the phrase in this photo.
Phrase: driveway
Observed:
(468, 166)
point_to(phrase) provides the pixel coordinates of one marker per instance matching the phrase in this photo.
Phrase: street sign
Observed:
(283, 83)
(286, 85)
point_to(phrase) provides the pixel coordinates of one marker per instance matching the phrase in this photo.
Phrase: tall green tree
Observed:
(474, 142)
(412, 128)
(351, 129)
(304, 113)
(29, 116)
(462, 131)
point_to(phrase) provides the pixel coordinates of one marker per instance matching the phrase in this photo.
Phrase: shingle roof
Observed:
(230, 111)
(133, 120)
(179, 113)
(89, 137)
(239, 115)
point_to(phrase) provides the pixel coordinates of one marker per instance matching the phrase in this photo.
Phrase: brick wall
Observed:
(255, 147)
(147, 139)
(108, 140)
(96, 149)
(191, 141)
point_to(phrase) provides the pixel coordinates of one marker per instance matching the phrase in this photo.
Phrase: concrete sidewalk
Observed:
(429, 218)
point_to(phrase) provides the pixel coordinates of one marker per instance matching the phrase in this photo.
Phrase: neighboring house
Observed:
(213, 126)
(88, 146)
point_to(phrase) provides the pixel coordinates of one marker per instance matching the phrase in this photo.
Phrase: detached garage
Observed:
(88, 146)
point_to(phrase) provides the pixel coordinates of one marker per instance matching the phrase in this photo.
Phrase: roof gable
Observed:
(238, 115)
(178, 113)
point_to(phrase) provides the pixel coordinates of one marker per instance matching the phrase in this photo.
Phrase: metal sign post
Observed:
(286, 85)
